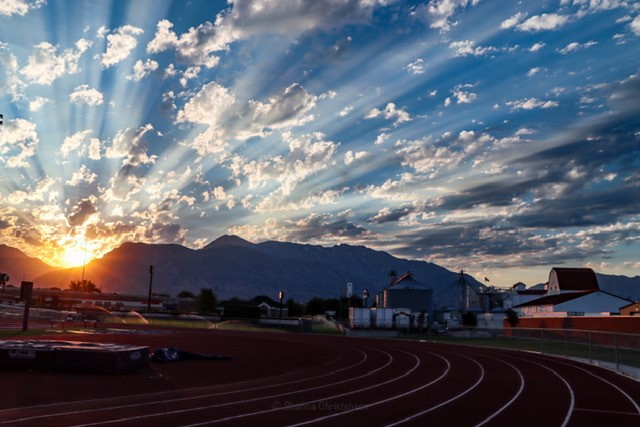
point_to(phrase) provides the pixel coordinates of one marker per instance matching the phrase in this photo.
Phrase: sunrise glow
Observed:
(497, 137)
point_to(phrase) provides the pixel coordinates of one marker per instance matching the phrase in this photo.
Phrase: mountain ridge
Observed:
(234, 267)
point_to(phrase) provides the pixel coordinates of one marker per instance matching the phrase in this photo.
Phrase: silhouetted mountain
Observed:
(19, 266)
(232, 267)
(227, 240)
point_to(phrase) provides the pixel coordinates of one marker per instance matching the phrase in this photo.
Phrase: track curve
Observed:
(300, 380)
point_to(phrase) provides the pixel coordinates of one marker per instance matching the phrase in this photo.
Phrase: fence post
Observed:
(590, 352)
(541, 341)
(615, 350)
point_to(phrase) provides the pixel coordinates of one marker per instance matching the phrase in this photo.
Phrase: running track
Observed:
(299, 380)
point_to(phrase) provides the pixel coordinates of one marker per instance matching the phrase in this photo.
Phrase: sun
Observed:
(74, 257)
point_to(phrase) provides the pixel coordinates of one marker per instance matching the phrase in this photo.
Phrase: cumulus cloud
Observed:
(535, 70)
(536, 47)
(248, 18)
(463, 96)
(439, 13)
(18, 141)
(81, 212)
(82, 175)
(74, 143)
(513, 21)
(390, 112)
(120, 43)
(545, 21)
(308, 154)
(84, 94)
(575, 46)
(194, 47)
(635, 25)
(531, 104)
(217, 107)
(350, 156)
(38, 103)
(45, 65)
(415, 67)
(468, 47)
(19, 7)
(142, 69)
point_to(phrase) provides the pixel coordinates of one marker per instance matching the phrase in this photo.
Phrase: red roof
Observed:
(576, 279)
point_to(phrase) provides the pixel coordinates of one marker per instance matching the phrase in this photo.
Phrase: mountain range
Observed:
(234, 267)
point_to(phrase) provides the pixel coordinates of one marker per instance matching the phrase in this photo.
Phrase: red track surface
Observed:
(297, 379)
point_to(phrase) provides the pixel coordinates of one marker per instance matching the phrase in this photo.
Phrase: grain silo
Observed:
(407, 293)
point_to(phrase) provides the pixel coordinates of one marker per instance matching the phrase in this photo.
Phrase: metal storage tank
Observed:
(359, 317)
(406, 292)
(382, 317)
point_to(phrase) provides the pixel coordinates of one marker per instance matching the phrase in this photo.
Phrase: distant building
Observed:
(632, 309)
(269, 307)
(563, 280)
(569, 292)
(74, 300)
(578, 303)
(519, 294)
(407, 293)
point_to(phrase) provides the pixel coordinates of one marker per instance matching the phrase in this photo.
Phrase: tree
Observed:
(512, 317)
(84, 286)
(207, 301)
(316, 306)
(185, 294)
(294, 309)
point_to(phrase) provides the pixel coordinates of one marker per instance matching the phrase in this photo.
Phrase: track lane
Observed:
(338, 380)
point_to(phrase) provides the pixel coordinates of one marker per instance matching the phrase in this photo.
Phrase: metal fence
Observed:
(619, 351)
(614, 350)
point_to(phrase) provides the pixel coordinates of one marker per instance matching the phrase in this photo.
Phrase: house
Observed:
(592, 302)
(269, 307)
(632, 309)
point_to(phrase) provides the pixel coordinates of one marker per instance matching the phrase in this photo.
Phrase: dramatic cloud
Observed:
(120, 43)
(86, 95)
(472, 134)
(18, 141)
(45, 65)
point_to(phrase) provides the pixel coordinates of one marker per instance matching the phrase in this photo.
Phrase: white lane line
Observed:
(590, 372)
(311, 402)
(456, 397)
(572, 397)
(513, 399)
(105, 401)
(379, 402)
(201, 408)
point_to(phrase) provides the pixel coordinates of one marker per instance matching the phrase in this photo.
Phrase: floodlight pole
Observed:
(281, 296)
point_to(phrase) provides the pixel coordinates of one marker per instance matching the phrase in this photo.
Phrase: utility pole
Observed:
(150, 284)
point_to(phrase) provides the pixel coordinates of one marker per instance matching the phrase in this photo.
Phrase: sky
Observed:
(497, 137)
